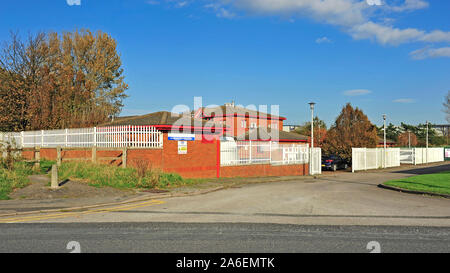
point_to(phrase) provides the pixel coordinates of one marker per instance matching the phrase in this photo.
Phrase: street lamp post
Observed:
(427, 141)
(409, 139)
(311, 104)
(384, 120)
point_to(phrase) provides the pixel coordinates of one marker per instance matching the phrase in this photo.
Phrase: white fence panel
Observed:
(418, 156)
(115, 137)
(262, 152)
(374, 158)
(316, 161)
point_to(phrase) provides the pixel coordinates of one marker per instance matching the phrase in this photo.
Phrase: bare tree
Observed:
(447, 106)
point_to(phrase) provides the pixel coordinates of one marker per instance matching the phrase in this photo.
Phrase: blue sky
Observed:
(392, 58)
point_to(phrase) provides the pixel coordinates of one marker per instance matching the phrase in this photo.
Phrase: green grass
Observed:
(433, 183)
(98, 175)
(14, 179)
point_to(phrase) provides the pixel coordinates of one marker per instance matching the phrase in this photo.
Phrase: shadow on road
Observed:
(426, 170)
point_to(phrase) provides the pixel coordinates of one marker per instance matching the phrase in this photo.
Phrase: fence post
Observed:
(58, 156)
(124, 157)
(270, 151)
(94, 154)
(250, 151)
(66, 135)
(95, 137)
(22, 139)
(54, 184)
(37, 157)
(365, 159)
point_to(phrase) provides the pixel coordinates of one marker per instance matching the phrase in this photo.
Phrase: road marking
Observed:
(78, 214)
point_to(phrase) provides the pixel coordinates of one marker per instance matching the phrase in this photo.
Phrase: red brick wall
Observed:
(201, 160)
(259, 170)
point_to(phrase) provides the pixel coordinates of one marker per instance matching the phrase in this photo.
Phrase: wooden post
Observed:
(58, 156)
(37, 157)
(55, 183)
(94, 154)
(124, 158)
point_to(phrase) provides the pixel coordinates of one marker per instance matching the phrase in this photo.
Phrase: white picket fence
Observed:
(234, 153)
(374, 158)
(421, 155)
(108, 137)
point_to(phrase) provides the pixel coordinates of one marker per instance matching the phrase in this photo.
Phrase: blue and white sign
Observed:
(182, 137)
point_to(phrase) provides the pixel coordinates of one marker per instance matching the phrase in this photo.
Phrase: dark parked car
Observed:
(334, 163)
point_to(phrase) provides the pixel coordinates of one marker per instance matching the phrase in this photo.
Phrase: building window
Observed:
(274, 126)
(253, 125)
(243, 124)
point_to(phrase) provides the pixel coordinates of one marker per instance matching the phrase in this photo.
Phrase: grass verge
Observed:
(14, 178)
(432, 183)
(98, 175)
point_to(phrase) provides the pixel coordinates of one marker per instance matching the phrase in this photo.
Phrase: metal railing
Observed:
(114, 137)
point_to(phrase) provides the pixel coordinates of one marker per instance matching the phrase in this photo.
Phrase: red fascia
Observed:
(192, 128)
(280, 140)
(246, 116)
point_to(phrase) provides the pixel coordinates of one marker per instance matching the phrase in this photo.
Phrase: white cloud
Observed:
(410, 5)
(323, 40)
(73, 2)
(427, 52)
(404, 101)
(362, 19)
(356, 92)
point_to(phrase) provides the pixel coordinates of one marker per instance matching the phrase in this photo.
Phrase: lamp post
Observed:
(427, 142)
(409, 139)
(384, 120)
(311, 105)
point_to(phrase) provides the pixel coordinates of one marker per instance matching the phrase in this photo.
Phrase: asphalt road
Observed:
(218, 238)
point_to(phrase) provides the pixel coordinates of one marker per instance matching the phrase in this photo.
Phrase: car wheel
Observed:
(334, 168)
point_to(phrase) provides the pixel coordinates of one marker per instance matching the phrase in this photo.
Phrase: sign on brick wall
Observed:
(181, 137)
(182, 147)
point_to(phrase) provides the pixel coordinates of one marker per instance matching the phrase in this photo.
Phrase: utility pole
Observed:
(311, 104)
(384, 120)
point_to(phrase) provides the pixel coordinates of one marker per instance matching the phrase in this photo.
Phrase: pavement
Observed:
(340, 199)
(218, 238)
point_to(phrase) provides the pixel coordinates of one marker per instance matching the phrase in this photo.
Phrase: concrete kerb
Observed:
(146, 198)
(134, 200)
(412, 192)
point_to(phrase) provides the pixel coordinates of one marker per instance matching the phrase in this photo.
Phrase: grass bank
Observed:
(123, 178)
(14, 178)
(433, 183)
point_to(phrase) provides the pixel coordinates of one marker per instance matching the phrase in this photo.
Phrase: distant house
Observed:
(261, 134)
(239, 120)
(290, 128)
(389, 143)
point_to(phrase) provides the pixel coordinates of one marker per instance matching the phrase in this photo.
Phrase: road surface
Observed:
(218, 238)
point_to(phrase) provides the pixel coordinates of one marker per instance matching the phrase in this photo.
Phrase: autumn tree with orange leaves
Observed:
(405, 138)
(352, 129)
(54, 81)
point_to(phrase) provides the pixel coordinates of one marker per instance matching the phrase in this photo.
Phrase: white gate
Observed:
(374, 158)
(316, 161)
